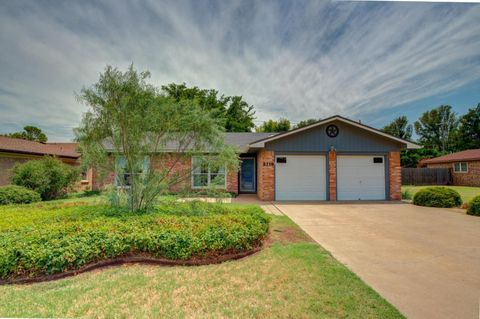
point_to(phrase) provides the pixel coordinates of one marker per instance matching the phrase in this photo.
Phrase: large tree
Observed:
(31, 133)
(437, 128)
(400, 128)
(305, 123)
(233, 112)
(239, 115)
(129, 125)
(469, 130)
(282, 125)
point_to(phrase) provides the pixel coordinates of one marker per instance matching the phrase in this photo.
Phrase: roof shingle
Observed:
(468, 155)
(17, 145)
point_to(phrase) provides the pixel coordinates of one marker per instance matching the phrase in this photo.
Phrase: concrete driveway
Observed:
(425, 261)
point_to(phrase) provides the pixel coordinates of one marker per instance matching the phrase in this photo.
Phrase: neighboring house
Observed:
(464, 166)
(15, 150)
(332, 159)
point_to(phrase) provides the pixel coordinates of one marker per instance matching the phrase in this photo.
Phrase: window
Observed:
(205, 174)
(122, 177)
(460, 167)
(84, 176)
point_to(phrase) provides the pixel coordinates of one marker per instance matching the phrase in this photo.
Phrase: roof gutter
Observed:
(37, 153)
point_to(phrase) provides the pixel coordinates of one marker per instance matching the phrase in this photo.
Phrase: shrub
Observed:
(13, 194)
(474, 207)
(406, 194)
(44, 240)
(437, 197)
(49, 177)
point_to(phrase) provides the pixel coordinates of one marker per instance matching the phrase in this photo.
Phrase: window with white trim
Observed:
(84, 174)
(122, 177)
(460, 167)
(205, 174)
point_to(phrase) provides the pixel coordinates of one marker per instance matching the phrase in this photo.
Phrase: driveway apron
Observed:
(425, 261)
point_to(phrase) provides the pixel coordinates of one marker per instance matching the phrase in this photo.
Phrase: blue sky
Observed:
(368, 61)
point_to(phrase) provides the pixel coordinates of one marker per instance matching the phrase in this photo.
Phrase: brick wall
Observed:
(181, 167)
(266, 175)
(470, 178)
(332, 175)
(395, 175)
(232, 182)
(6, 165)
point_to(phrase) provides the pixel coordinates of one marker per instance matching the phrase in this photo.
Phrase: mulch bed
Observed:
(135, 259)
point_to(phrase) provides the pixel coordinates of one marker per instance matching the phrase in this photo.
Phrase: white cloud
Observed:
(297, 59)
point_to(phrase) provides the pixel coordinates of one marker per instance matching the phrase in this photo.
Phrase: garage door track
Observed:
(425, 261)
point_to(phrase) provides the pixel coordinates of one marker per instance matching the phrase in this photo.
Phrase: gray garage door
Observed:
(360, 178)
(300, 177)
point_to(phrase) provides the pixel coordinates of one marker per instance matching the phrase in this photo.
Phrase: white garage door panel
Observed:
(359, 178)
(303, 177)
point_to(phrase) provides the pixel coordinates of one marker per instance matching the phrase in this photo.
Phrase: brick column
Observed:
(332, 175)
(232, 181)
(395, 175)
(93, 179)
(266, 175)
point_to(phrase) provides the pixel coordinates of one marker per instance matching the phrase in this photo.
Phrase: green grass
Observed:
(292, 278)
(466, 192)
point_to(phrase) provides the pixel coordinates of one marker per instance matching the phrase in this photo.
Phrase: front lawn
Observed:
(466, 192)
(292, 277)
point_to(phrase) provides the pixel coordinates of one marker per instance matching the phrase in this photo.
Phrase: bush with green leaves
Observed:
(49, 177)
(406, 194)
(13, 194)
(474, 206)
(437, 197)
(49, 238)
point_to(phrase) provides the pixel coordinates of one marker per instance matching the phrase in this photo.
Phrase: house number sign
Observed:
(268, 164)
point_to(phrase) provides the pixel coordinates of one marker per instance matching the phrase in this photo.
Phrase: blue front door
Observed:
(247, 175)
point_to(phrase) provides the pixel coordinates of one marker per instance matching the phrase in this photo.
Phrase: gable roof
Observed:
(408, 144)
(17, 145)
(243, 140)
(467, 155)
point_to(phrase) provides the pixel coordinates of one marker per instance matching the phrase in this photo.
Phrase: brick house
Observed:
(464, 166)
(332, 159)
(15, 150)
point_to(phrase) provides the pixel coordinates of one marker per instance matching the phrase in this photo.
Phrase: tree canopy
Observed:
(437, 128)
(31, 133)
(305, 123)
(234, 114)
(410, 158)
(270, 126)
(130, 124)
(400, 128)
(469, 129)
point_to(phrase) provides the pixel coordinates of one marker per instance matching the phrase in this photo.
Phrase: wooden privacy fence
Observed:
(426, 176)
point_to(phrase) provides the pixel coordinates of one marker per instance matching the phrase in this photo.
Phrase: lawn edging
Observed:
(148, 260)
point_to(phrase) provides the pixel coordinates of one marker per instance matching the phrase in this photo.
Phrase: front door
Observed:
(247, 175)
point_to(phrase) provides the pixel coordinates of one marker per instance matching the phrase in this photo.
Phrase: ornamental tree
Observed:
(129, 123)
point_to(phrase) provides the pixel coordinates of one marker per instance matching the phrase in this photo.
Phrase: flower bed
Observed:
(45, 240)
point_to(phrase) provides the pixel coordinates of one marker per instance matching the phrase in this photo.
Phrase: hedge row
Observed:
(68, 238)
(12, 194)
